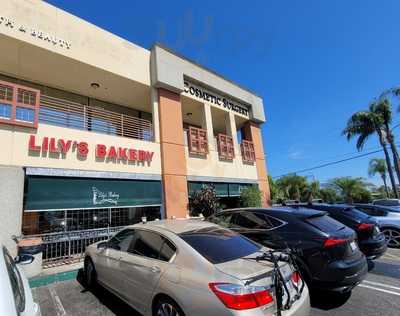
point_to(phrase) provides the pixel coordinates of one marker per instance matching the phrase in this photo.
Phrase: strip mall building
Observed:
(97, 132)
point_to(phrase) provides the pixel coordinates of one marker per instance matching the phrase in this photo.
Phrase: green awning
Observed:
(57, 193)
(222, 189)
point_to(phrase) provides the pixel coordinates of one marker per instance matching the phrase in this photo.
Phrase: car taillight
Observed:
(240, 297)
(365, 226)
(331, 242)
(296, 277)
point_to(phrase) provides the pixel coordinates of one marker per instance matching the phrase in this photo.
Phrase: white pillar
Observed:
(231, 131)
(207, 125)
(156, 120)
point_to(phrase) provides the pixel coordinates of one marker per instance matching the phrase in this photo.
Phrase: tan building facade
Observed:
(102, 132)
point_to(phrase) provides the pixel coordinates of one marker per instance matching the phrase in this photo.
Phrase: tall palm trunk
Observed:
(388, 162)
(393, 147)
(385, 185)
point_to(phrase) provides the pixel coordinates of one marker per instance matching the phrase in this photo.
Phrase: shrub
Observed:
(251, 197)
(204, 201)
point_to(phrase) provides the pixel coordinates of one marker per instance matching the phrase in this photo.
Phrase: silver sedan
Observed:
(388, 218)
(195, 268)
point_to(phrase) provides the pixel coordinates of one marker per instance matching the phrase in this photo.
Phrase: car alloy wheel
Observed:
(166, 309)
(392, 237)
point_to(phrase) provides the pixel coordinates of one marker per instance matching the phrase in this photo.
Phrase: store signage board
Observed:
(214, 98)
(60, 146)
(36, 33)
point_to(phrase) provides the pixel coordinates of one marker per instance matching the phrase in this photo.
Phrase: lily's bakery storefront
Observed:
(97, 132)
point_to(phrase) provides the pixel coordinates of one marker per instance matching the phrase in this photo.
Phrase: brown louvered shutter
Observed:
(198, 143)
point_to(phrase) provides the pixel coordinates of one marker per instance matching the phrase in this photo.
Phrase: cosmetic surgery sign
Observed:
(215, 99)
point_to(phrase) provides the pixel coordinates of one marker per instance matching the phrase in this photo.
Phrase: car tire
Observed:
(167, 307)
(90, 276)
(392, 236)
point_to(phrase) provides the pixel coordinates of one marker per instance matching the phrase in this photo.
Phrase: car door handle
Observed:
(155, 269)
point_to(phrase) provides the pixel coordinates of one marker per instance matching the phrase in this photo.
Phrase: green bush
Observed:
(204, 201)
(251, 197)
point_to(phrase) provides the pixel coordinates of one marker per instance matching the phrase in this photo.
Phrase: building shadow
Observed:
(327, 300)
(108, 299)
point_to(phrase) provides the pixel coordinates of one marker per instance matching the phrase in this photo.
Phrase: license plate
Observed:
(353, 246)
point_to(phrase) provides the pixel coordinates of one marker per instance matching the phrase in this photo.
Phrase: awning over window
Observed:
(57, 193)
(222, 189)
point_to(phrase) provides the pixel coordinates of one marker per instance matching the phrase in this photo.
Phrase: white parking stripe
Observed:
(57, 302)
(388, 255)
(382, 285)
(378, 289)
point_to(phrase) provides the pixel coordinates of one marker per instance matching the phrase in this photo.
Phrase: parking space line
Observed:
(388, 255)
(57, 302)
(378, 289)
(382, 285)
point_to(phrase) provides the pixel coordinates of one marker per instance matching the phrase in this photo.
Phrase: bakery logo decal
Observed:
(100, 198)
(50, 38)
(59, 147)
(190, 88)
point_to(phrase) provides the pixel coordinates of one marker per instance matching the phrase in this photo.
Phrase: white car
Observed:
(15, 293)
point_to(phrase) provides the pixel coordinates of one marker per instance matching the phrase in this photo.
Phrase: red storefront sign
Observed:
(61, 146)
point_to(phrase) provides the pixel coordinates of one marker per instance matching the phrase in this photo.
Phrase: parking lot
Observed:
(379, 294)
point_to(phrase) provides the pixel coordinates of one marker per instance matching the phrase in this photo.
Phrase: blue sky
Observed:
(314, 63)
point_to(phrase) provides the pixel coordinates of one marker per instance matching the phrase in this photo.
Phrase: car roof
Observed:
(377, 206)
(298, 211)
(176, 226)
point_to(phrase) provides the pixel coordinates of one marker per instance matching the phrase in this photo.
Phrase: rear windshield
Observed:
(219, 245)
(354, 213)
(325, 223)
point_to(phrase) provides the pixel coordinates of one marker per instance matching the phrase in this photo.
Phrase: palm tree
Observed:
(378, 165)
(293, 186)
(383, 108)
(348, 187)
(312, 191)
(363, 124)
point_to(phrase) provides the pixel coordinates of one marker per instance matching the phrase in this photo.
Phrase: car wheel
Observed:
(167, 307)
(90, 273)
(392, 237)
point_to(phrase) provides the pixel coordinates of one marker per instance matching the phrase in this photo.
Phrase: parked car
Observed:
(15, 293)
(370, 239)
(388, 218)
(328, 255)
(194, 268)
(387, 202)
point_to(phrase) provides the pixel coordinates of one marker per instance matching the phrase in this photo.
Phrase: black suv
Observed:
(327, 252)
(371, 240)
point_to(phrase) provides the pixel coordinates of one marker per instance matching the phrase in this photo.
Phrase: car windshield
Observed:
(355, 213)
(325, 223)
(219, 245)
(387, 202)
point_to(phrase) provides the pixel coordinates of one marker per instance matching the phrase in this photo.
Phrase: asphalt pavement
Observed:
(379, 294)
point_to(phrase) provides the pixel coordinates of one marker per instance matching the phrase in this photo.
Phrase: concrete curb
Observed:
(52, 278)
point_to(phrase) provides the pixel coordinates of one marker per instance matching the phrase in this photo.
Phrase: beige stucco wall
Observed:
(14, 150)
(211, 166)
(11, 197)
(89, 43)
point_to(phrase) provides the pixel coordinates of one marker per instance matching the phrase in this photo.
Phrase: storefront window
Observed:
(43, 222)
(35, 223)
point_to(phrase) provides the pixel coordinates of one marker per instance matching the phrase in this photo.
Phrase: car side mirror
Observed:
(24, 259)
(102, 245)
